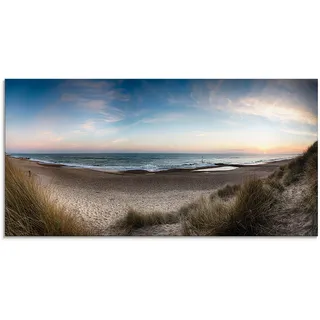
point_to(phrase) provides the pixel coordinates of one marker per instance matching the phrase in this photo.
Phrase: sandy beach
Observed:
(100, 198)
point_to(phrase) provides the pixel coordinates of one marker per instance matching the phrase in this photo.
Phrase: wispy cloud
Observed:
(99, 107)
(95, 98)
(112, 115)
(88, 125)
(120, 140)
(118, 94)
(79, 132)
(50, 136)
(93, 90)
(88, 84)
(278, 109)
(94, 128)
(96, 105)
(277, 101)
(300, 133)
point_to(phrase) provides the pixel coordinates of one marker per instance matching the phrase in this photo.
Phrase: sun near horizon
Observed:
(187, 116)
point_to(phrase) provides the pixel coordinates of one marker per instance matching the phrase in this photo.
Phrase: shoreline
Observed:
(164, 171)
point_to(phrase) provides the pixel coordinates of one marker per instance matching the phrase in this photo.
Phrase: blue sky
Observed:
(265, 116)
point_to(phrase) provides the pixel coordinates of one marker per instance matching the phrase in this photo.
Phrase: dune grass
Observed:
(205, 217)
(243, 215)
(301, 165)
(310, 200)
(285, 203)
(275, 184)
(29, 211)
(228, 191)
(135, 219)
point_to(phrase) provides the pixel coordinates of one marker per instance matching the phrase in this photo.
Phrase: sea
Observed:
(150, 161)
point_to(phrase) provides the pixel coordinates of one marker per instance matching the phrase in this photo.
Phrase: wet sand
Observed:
(100, 198)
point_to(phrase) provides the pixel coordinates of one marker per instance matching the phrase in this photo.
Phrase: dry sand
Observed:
(100, 198)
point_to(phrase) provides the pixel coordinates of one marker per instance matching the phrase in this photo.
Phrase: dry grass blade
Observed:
(228, 191)
(29, 210)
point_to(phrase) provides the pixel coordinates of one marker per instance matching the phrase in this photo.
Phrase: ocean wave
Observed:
(151, 164)
(43, 161)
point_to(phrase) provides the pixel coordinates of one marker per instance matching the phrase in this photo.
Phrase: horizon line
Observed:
(216, 152)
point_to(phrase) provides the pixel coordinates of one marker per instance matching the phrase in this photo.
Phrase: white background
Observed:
(153, 278)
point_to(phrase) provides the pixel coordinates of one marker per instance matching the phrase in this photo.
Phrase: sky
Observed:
(209, 116)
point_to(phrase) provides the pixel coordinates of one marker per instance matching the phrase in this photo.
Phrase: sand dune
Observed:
(100, 198)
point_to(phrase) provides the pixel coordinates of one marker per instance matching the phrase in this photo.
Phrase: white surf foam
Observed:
(226, 168)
